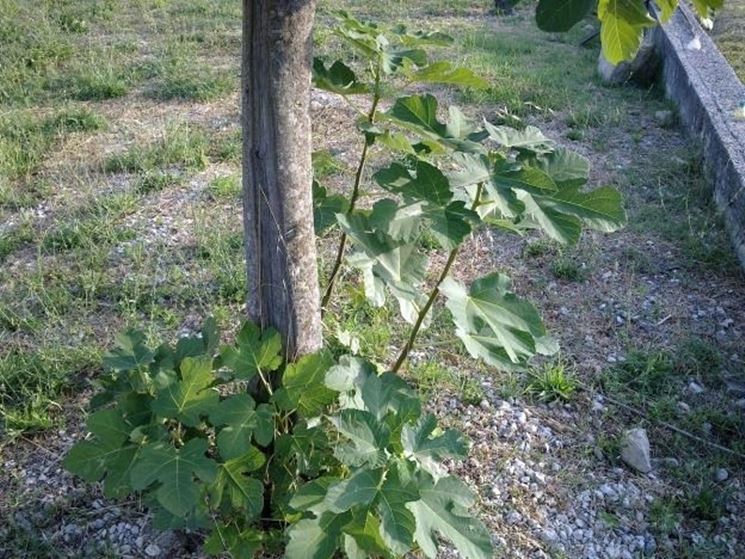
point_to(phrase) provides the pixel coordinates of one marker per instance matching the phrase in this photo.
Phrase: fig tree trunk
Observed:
(277, 173)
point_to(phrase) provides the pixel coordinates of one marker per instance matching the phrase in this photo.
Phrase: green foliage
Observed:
(339, 456)
(450, 178)
(553, 381)
(622, 21)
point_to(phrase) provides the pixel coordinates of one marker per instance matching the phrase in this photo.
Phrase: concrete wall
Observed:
(708, 95)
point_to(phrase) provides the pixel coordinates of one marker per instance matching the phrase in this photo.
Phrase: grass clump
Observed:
(179, 145)
(26, 139)
(226, 187)
(553, 381)
(31, 381)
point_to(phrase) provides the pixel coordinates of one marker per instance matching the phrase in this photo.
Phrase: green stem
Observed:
(353, 199)
(432, 297)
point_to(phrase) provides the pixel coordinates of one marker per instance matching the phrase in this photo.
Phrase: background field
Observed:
(120, 206)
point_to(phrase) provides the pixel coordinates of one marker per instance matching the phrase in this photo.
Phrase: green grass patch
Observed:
(179, 145)
(25, 139)
(32, 381)
(226, 187)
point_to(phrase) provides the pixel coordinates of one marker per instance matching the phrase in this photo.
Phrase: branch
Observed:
(353, 200)
(432, 296)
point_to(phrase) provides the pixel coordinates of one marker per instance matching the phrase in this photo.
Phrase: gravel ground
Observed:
(550, 485)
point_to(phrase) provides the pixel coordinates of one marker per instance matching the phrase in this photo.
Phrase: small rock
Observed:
(664, 118)
(734, 387)
(721, 475)
(740, 403)
(695, 387)
(513, 517)
(684, 407)
(635, 450)
(484, 404)
(152, 550)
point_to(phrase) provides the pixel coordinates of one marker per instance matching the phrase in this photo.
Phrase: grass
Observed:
(729, 34)
(179, 145)
(25, 139)
(552, 381)
(140, 226)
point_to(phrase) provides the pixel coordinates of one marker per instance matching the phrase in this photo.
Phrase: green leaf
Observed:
(364, 533)
(312, 494)
(422, 443)
(530, 140)
(556, 224)
(240, 544)
(316, 538)
(622, 26)
(426, 183)
(306, 446)
(400, 223)
(386, 393)
(109, 454)
(255, 350)
(191, 397)
(234, 485)
(386, 262)
(443, 508)
(558, 16)
(418, 113)
(361, 488)
(667, 8)
(339, 78)
(303, 385)
(349, 374)
(565, 167)
(239, 419)
(130, 354)
(326, 207)
(526, 178)
(367, 438)
(397, 522)
(493, 323)
(423, 38)
(600, 209)
(393, 58)
(452, 224)
(445, 73)
(174, 470)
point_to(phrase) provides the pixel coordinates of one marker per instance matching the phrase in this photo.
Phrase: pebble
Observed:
(695, 387)
(152, 550)
(721, 475)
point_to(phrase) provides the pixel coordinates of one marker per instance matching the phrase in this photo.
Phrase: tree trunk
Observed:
(277, 172)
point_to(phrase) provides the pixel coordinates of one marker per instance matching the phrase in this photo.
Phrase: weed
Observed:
(325, 164)
(539, 248)
(180, 144)
(568, 269)
(25, 139)
(225, 187)
(30, 381)
(184, 77)
(156, 181)
(553, 381)
(646, 374)
(665, 516)
(433, 377)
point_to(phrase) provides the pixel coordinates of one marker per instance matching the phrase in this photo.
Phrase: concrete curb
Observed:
(708, 95)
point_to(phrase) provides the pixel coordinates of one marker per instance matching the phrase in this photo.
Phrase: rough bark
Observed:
(277, 173)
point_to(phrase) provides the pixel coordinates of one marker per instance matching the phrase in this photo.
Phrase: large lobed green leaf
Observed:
(191, 397)
(443, 509)
(494, 324)
(175, 471)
